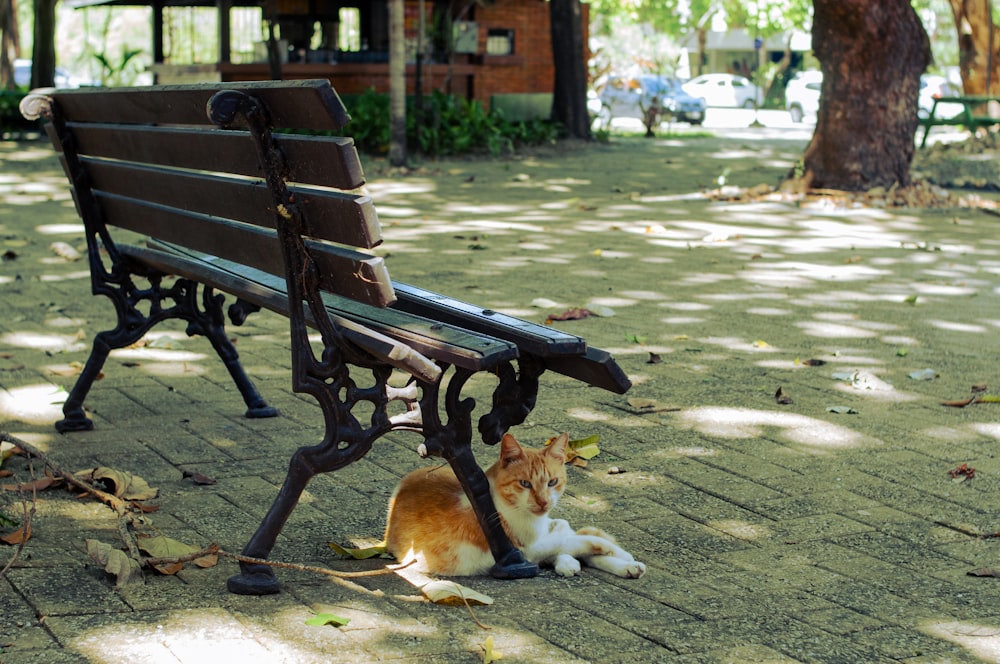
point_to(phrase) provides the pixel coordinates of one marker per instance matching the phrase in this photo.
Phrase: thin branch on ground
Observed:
(123, 509)
(28, 509)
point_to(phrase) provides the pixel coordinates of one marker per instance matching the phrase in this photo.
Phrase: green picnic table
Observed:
(968, 117)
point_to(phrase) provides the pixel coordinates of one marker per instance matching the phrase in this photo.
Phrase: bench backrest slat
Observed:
(350, 273)
(327, 161)
(311, 104)
(243, 199)
(150, 160)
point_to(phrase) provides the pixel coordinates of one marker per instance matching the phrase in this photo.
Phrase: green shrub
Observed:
(443, 125)
(11, 120)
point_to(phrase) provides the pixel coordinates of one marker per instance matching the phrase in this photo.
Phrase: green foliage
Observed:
(112, 73)
(11, 120)
(445, 125)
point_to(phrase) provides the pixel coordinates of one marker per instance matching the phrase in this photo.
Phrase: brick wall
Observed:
(530, 68)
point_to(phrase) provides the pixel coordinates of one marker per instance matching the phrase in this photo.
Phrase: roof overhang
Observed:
(84, 4)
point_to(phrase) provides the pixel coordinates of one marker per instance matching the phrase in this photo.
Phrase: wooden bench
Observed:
(968, 117)
(227, 203)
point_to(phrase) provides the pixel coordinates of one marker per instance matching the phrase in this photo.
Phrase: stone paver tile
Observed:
(817, 527)
(689, 534)
(66, 590)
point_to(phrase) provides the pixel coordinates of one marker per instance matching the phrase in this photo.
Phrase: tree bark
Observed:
(978, 46)
(569, 94)
(871, 53)
(9, 42)
(43, 50)
(397, 84)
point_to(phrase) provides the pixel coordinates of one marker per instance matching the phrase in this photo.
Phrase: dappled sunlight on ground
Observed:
(48, 342)
(35, 404)
(981, 639)
(781, 461)
(796, 430)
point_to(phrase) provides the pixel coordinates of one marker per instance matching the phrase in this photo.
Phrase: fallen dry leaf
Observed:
(66, 251)
(984, 571)
(451, 593)
(22, 534)
(119, 483)
(40, 484)
(198, 478)
(359, 554)
(489, 654)
(115, 562)
(962, 472)
(642, 406)
(576, 313)
(782, 398)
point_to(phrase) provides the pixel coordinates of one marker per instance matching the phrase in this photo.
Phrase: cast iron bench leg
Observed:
(510, 562)
(74, 416)
(213, 328)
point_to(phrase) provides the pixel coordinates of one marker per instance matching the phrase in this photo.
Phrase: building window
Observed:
(499, 41)
(349, 29)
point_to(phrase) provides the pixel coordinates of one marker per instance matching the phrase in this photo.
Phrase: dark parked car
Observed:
(634, 96)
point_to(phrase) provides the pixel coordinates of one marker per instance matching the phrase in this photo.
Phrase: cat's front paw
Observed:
(566, 565)
(634, 570)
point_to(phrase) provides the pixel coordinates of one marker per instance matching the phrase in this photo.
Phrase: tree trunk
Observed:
(10, 46)
(43, 50)
(397, 84)
(871, 53)
(569, 94)
(978, 38)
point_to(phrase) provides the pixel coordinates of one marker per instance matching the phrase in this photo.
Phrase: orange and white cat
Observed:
(432, 521)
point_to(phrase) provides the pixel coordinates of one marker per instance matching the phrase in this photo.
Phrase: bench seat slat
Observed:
(344, 271)
(308, 104)
(355, 221)
(429, 338)
(561, 352)
(537, 339)
(328, 161)
(595, 367)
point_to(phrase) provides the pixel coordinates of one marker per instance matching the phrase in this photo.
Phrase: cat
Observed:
(431, 520)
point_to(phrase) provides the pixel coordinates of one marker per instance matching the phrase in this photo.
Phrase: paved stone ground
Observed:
(773, 532)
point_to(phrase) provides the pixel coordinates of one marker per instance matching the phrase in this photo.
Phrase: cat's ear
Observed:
(510, 450)
(557, 448)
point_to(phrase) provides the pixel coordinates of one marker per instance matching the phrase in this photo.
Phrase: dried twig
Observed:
(28, 509)
(125, 521)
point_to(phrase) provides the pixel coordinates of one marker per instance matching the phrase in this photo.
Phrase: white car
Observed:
(724, 90)
(802, 94)
(931, 88)
(63, 79)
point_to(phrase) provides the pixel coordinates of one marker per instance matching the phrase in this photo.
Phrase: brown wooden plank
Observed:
(431, 339)
(328, 161)
(310, 104)
(329, 214)
(343, 271)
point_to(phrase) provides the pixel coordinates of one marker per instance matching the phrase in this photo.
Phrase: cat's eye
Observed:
(526, 484)
(554, 481)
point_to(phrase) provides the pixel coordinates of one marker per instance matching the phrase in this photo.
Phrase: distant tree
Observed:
(10, 45)
(43, 45)
(871, 53)
(978, 46)
(397, 84)
(569, 94)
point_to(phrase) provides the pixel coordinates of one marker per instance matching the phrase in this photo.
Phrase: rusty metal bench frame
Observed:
(130, 156)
